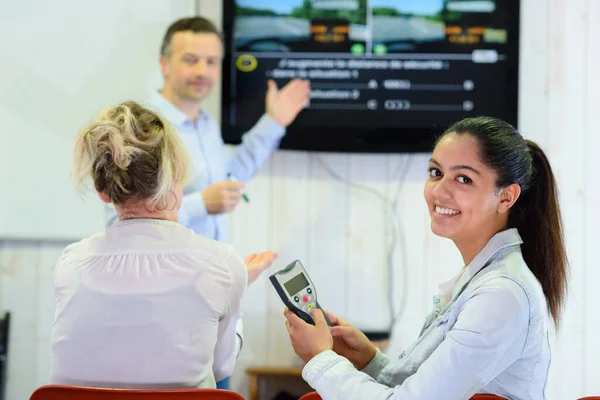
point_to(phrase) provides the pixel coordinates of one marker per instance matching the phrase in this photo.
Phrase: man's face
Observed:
(192, 65)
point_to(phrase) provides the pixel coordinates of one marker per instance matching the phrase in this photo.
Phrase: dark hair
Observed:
(193, 24)
(536, 214)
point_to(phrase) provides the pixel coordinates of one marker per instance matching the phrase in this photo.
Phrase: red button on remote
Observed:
(305, 299)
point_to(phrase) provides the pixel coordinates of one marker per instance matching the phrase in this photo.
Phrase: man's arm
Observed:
(257, 146)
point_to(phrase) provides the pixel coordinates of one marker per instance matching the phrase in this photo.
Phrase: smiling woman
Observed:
(493, 194)
(503, 181)
(464, 202)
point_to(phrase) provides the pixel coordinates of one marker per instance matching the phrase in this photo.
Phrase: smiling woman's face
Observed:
(461, 191)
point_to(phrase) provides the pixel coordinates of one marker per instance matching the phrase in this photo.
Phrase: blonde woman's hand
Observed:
(256, 263)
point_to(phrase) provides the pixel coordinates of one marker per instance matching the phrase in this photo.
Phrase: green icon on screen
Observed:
(380, 49)
(357, 48)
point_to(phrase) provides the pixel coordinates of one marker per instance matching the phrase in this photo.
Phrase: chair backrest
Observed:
(61, 392)
(4, 329)
(311, 396)
(315, 396)
(590, 398)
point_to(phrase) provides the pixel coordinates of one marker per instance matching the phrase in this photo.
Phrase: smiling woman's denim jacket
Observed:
(491, 337)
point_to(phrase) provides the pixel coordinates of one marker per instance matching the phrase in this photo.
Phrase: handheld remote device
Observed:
(297, 291)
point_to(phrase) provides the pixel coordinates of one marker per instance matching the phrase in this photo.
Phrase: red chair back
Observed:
(590, 398)
(311, 396)
(61, 392)
(315, 396)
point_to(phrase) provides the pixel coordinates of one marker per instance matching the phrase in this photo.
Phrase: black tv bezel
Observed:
(364, 140)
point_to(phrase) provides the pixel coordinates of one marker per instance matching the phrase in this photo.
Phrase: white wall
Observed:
(61, 63)
(340, 231)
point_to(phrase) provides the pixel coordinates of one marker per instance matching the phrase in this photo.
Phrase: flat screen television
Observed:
(386, 75)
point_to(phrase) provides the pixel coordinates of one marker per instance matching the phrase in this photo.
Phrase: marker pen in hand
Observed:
(232, 178)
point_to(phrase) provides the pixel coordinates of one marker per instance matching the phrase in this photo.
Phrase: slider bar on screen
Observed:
(436, 107)
(435, 86)
(337, 106)
(413, 86)
(322, 85)
(416, 56)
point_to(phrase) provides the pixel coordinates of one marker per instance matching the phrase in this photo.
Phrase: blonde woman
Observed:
(147, 303)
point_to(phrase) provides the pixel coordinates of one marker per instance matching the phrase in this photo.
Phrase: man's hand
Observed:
(222, 197)
(308, 340)
(285, 104)
(257, 263)
(351, 343)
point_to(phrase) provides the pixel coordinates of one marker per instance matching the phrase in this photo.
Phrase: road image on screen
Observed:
(374, 63)
(301, 26)
(435, 26)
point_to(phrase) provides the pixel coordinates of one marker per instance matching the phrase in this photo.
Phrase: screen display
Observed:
(296, 284)
(381, 71)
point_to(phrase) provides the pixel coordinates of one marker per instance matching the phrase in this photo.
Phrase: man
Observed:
(190, 61)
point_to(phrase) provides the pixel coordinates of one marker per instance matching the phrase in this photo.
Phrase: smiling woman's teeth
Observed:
(446, 211)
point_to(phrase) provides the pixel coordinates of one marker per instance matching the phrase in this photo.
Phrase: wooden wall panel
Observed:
(290, 227)
(591, 103)
(329, 207)
(368, 227)
(250, 231)
(48, 256)
(566, 143)
(19, 268)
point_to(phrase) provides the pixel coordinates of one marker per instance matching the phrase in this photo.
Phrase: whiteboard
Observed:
(61, 62)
